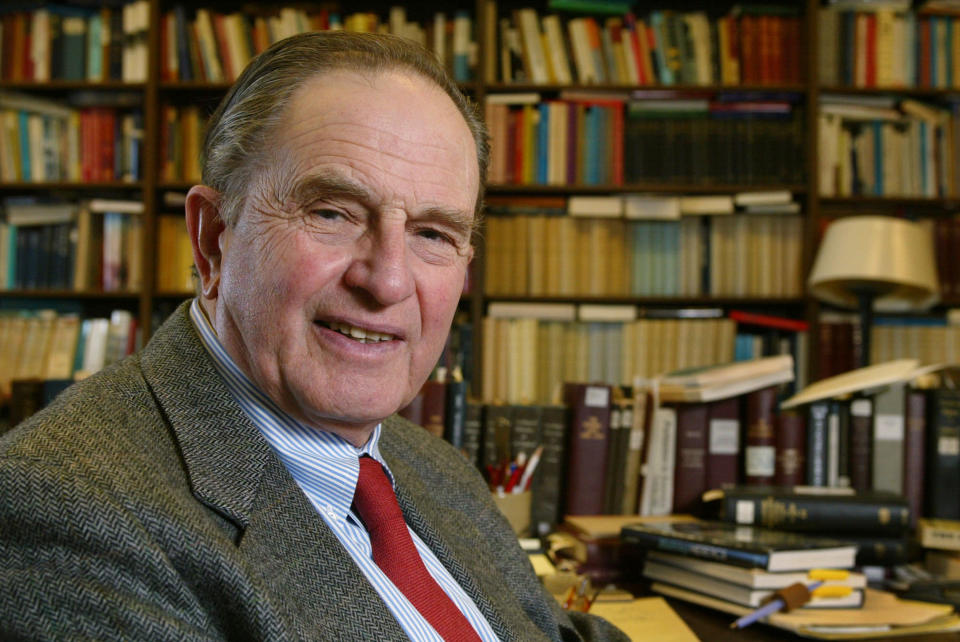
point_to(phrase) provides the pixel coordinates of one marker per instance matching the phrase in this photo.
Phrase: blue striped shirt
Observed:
(326, 468)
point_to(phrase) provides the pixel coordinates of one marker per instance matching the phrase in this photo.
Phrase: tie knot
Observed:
(374, 498)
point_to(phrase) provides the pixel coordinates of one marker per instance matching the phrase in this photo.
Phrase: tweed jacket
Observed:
(143, 504)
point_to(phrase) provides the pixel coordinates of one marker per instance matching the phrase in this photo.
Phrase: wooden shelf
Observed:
(655, 301)
(664, 188)
(69, 294)
(704, 89)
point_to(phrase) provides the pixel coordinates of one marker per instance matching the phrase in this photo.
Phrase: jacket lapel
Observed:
(299, 564)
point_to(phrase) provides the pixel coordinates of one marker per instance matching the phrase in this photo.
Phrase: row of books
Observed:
(526, 359)
(887, 147)
(931, 339)
(750, 45)
(735, 255)
(888, 427)
(213, 46)
(885, 47)
(45, 345)
(47, 141)
(75, 42)
(612, 138)
(93, 245)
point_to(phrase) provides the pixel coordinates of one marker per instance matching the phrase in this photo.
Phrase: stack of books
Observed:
(744, 565)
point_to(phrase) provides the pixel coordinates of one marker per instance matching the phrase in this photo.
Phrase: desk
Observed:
(713, 626)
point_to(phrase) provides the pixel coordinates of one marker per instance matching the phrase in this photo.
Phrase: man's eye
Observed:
(327, 214)
(435, 235)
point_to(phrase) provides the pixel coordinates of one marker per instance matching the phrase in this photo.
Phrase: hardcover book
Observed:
(753, 578)
(734, 592)
(771, 550)
(805, 509)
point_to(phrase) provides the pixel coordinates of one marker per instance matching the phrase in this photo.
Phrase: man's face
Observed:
(340, 279)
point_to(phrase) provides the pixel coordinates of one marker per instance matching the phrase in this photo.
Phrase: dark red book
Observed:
(760, 443)
(769, 321)
(723, 443)
(861, 444)
(588, 435)
(690, 472)
(791, 444)
(915, 429)
(428, 408)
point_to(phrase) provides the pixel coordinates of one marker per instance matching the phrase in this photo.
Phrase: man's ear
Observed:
(205, 227)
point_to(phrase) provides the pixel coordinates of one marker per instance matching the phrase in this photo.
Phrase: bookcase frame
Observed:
(155, 91)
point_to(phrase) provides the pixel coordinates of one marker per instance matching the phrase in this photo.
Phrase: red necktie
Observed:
(397, 555)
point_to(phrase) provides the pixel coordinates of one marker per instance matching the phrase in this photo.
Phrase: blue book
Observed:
(543, 143)
(671, 248)
(878, 188)
(658, 23)
(591, 162)
(768, 549)
(184, 67)
(95, 47)
(22, 121)
(11, 257)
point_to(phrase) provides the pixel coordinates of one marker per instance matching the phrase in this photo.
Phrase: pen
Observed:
(788, 598)
(528, 471)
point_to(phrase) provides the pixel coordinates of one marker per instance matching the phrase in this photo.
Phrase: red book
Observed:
(861, 444)
(517, 128)
(588, 436)
(769, 321)
(223, 46)
(107, 133)
(749, 51)
(616, 142)
(871, 50)
(689, 472)
(914, 440)
(791, 444)
(633, 43)
(924, 79)
(760, 444)
(723, 443)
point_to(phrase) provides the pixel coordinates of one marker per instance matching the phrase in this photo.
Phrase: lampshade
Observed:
(890, 257)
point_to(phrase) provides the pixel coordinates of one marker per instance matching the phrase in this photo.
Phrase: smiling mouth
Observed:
(357, 334)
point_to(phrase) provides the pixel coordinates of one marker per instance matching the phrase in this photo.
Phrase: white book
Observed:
(595, 206)
(104, 205)
(545, 311)
(95, 348)
(651, 207)
(712, 204)
(515, 98)
(536, 59)
(743, 199)
(601, 312)
(557, 50)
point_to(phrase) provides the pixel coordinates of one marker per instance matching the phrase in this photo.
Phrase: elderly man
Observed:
(244, 477)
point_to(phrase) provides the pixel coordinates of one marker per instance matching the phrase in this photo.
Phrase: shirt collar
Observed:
(324, 464)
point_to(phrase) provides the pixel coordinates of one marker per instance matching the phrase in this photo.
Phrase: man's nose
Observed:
(382, 265)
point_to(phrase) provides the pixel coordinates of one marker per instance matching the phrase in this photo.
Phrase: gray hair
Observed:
(238, 130)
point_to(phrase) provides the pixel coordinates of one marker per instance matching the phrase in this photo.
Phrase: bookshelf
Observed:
(163, 97)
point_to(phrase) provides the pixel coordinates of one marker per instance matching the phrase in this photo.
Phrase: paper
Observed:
(646, 618)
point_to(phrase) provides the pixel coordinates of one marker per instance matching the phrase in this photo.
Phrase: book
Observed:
(754, 578)
(809, 509)
(710, 383)
(790, 439)
(723, 443)
(767, 549)
(941, 534)
(548, 478)
(587, 447)
(690, 473)
(942, 462)
(759, 444)
(747, 596)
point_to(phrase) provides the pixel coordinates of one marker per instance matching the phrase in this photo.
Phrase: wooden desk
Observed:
(714, 626)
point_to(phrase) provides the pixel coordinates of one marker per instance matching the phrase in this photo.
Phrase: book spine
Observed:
(700, 550)
(548, 478)
(723, 448)
(913, 452)
(861, 420)
(943, 454)
(790, 448)
(689, 473)
(760, 444)
(817, 513)
(587, 449)
(817, 443)
(473, 432)
(455, 413)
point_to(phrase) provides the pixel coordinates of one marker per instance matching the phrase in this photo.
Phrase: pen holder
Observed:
(516, 508)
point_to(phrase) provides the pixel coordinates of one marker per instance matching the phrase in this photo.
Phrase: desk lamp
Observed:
(875, 261)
